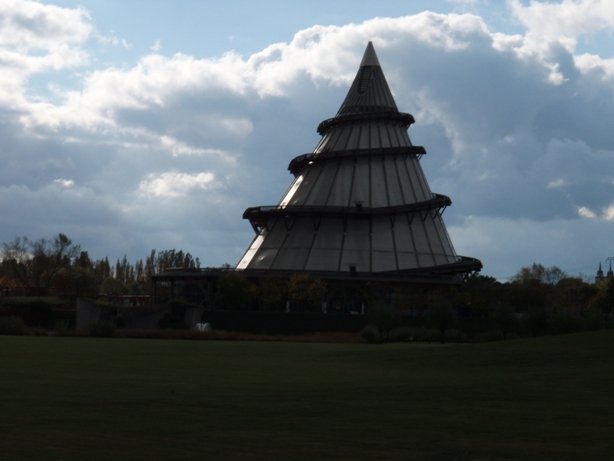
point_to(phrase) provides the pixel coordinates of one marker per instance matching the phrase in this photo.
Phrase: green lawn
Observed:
(125, 399)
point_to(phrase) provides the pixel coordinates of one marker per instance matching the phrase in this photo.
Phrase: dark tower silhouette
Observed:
(360, 205)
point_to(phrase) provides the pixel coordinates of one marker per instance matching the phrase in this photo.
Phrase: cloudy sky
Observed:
(153, 124)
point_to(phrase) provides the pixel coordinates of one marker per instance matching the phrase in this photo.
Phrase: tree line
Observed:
(57, 266)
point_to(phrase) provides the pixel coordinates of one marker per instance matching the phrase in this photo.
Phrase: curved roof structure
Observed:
(359, 203)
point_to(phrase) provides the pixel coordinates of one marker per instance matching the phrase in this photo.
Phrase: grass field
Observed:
(127, 399)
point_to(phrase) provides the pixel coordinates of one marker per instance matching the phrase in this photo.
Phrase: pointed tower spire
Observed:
(369, 58)
(369, 91)
(360, 205)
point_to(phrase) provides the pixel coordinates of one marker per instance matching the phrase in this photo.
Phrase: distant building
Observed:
(600, 277)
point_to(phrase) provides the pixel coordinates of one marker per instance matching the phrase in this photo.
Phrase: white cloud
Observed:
(589, 62)
(608, 213)
(36, 38)
(586, 212)
(179, 148)
(564, 21)
(64, 182)
(552, 25)
(560, 182)
(175, 184)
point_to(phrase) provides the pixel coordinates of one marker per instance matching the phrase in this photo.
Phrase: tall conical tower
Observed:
(360, 205)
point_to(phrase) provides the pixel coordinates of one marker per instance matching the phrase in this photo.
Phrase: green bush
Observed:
(441, 315)
(102, 330)
(490, 335)
(536, 321)
(11, 326)
(565, 323)
(383, 317)
(171, 322)
(371, 334)
(61, 327)
(419, 334)
(401, 334)
(432, 335)
(455, 336)
(593, 322)
(423, 334)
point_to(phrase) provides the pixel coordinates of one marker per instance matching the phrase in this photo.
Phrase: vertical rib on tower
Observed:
(360, 203)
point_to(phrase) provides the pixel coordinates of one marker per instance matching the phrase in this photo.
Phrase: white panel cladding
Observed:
(374, 181)
(329, 234)
(323, 260)
(433, 237)
(291, 259)
(301, 192)
(356, 234)
(265, 258)
(341, 189)
(364, 142)
(276, 236)
(361, 186)
(293, 188)
(322, 144)
(440, 260)
(379, 196)
(360, 259)
(426, 260)
(321, 187)
(341, 139)
(384, 136)
(403, 237)
(384, 261)
(395, 194)
(407, 260)
(352, 142)
(420, 239)
(445, 238)
(363, 136)
(375, 138)
(409, 188)
(417, 181)
(251, 252)
(381, 235)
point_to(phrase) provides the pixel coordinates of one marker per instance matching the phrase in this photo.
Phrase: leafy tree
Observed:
(75, 282)
(442, 316)
(383, 316)
(84, 261)
(273, 292)
(539, 273)
(113, 287)
(503, 314)
(36, 263)
(234, 291)
(573, 294)
(302, 287)
(537, 321)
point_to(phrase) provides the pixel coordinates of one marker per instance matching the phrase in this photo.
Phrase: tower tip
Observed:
(369, 58)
